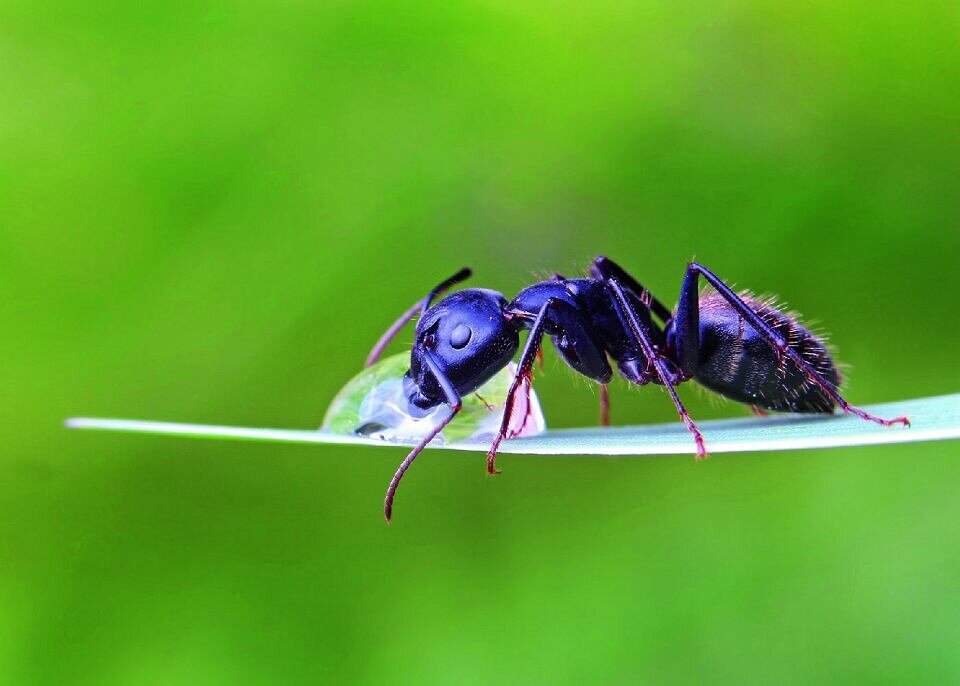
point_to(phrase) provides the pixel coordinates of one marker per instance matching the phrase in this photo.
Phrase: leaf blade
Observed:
(935, 418)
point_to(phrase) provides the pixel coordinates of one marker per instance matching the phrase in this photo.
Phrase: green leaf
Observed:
(932, 419)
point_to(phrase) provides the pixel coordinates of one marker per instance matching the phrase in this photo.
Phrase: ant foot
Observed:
(903, 421)
(491, 463)
(701, 448)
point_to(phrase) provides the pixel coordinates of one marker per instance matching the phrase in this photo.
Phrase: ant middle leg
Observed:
(688, 334)
(667, 377)
(603, 268)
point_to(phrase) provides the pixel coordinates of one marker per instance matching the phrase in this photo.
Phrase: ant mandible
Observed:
(737, 345)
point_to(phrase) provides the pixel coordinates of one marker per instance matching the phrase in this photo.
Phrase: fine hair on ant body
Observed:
(738, 346)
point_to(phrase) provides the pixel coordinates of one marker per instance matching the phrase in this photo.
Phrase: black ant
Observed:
(739, 346)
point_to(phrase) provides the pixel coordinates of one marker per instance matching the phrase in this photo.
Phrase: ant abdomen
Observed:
(736, 361)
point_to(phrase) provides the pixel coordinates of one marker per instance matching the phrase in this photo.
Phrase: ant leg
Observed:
(419, 306)
(524, 370)
(604, 405)
(667, 378)
(574, 341)
(604, 268)
(453, 400)
(689, 302)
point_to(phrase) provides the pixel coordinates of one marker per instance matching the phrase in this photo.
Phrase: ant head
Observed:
(468, 339)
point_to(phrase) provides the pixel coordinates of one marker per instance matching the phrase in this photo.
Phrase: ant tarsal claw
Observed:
(903, 421)
(701, 446)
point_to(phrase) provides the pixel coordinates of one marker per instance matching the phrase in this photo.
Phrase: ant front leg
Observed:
(524, 370)
(455, 403)
(668, 378)
(574, 341)
(688, 332)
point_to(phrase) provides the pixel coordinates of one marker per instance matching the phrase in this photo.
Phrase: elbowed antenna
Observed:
(445, 285)
(418, 307)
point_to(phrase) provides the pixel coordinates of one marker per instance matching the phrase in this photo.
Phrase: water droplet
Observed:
(373, 404)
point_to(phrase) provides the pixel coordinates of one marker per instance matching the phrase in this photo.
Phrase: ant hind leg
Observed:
(687, 325)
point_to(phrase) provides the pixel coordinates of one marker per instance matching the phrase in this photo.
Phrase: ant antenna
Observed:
(455, 403)
(418, 307)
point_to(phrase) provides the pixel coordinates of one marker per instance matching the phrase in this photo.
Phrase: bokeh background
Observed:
(209, 211)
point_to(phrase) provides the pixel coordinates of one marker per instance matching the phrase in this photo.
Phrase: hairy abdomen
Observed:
(738, 363)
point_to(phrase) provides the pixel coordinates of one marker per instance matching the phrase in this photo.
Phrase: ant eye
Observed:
(428, 340)
(460, 336)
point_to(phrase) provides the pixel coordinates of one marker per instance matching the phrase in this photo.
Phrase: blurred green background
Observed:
(209, 212)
